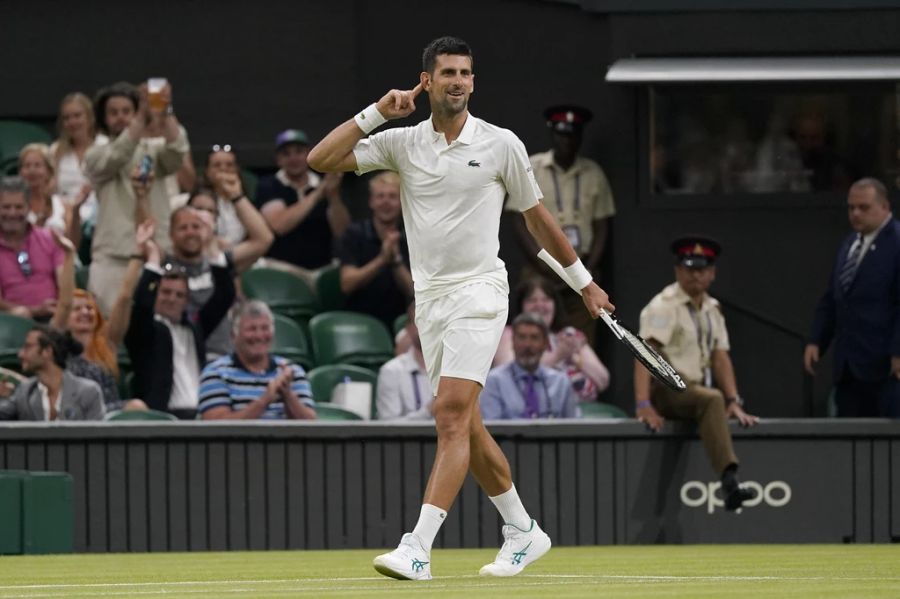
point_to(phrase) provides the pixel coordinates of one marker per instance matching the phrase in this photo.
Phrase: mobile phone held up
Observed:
(144, 168)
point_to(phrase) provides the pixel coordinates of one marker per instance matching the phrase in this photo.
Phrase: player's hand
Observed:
(398, 104)
(650, 418)
(811, 358)
(744, 419)
(594, 299)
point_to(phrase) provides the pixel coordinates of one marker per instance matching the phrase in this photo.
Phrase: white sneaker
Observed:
(521, 548)
(409, 561)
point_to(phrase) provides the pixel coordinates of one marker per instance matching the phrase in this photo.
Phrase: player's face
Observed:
(529, 345)
(451, 84)
(695, 281)
(865, 210)
(384, 202)
(254, 336)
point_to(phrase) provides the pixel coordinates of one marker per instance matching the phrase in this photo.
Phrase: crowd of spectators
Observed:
(162, 323)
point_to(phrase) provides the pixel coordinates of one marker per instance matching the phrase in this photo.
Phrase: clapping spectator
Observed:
(304, 210)
(139, 136)
(77, 133)
(568, 350)
(223, 177)
(374, 256)
(252, 382)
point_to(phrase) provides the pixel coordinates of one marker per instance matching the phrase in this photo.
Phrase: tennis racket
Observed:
(643, 351)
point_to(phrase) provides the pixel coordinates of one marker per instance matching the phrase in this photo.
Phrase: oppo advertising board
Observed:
(804, 493)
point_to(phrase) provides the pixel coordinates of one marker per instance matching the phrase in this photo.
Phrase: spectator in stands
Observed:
(524, 388)
(194, 242)
(223, 177)
(47, 208)
(404, 390)
(860, 310)
(167, 348)
(77, 133)
(30, 260)
(688, 327)
(568, 350)
(578, 195)
(374, 256)
(252, 382)
(53, 393)
(138, 134)
(304, 210)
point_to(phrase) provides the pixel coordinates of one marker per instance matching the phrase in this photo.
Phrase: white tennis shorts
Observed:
(460, 332)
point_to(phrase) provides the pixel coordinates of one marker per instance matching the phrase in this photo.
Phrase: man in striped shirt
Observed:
(253, 383)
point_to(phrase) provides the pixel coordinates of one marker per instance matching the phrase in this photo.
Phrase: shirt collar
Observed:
(677, 293)
(521, 373)
(408, 360)
(465, 136)
(236, 361)
(868, 238)
(312, 180)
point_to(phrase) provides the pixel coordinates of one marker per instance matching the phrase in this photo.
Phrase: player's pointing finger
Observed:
(417, 90)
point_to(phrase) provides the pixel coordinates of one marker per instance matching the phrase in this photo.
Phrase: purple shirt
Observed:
(43, 258)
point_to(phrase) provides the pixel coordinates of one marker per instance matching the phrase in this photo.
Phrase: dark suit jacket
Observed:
(81, 399)
(864, 321)
(149, 341)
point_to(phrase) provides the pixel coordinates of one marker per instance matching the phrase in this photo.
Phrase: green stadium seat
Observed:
(15, 135)
(120, 415)
(350, 338)
(250, 182)
(283, 292)
(400, 323)
(324, 379)
(13, 330)
(290, 342)
(327, 411)
(328, 289)
(598, 409)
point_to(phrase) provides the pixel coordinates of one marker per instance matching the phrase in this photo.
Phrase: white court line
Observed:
(572, 577)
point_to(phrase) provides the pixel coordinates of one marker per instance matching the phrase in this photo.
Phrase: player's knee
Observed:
(451, 417)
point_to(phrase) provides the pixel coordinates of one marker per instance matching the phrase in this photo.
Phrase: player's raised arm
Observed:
(335, 152)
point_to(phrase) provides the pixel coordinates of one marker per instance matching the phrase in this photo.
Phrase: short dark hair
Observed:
(530, 319)
(880, 189)
(122, 89)
(62, 343)
(445, 45)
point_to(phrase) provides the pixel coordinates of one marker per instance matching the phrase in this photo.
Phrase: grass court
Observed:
(783, 571)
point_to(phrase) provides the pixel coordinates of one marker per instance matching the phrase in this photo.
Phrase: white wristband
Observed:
(579, 277)
(369, 119)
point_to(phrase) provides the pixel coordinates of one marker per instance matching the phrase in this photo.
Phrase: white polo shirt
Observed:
(452, 196)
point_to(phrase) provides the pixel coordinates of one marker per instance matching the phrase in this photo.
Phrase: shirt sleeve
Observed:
(301, 387)
(604, 205)
(378, 151)
(491, 402)
(720, 339)
(517, 175)
(658, 323)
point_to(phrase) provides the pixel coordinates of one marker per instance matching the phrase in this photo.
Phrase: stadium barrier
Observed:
(260, 485)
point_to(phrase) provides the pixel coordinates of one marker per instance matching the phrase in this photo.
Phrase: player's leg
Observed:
(524, 541)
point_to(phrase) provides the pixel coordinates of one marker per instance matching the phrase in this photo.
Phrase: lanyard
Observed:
(559, 195)
(705, 349)
(415, 384)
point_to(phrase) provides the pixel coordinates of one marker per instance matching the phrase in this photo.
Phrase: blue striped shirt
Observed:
(226, 382)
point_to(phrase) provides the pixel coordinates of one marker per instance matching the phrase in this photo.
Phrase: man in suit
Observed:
(53, 393)
(860, 310)
(168, 348)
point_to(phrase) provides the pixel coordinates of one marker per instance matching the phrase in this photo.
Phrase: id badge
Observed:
(573, 234)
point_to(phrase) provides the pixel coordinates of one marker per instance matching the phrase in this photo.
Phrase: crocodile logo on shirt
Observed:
(474, 163)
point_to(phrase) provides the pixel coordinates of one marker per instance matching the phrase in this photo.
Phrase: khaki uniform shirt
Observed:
(688, 336)
(109, 168)
(575, 197)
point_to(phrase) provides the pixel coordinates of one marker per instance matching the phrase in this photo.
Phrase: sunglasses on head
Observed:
(24, 261)
(221, 148)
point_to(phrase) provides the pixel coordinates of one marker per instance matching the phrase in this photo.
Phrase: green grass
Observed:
(565, 573)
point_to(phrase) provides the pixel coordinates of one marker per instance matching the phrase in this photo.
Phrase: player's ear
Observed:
(425, 80)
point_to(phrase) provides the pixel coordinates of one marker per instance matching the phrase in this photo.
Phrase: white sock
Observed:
(511, 509)
(430, 519)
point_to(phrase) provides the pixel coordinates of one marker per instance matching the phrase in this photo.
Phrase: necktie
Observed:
(532, 403)
(848, 270)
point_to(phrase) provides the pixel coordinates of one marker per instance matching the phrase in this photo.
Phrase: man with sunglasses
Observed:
(30, 259)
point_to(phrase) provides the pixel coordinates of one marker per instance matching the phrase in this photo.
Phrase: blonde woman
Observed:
(77, 133)
(46, 208)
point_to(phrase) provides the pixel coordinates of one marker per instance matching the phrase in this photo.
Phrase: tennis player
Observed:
(455, 171)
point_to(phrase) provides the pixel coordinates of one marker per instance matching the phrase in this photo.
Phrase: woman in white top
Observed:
(77, 133)
(568, 351)
(222, 161)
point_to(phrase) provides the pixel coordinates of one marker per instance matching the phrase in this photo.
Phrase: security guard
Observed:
(687, 326)
(578, 195)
